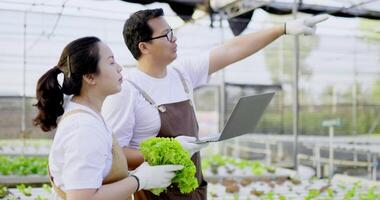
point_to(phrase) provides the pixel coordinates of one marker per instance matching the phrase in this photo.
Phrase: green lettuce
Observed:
(163, 151)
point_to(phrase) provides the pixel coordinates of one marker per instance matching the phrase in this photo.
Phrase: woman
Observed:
(85, 162)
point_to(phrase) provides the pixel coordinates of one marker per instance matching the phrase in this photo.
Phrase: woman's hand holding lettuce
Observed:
(168, 151)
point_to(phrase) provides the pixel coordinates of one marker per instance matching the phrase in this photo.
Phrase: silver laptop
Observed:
(243, 119)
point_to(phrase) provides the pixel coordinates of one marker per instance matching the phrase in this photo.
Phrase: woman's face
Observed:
(109, 78)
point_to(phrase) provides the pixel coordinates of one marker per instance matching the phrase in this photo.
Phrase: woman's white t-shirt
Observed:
(81, 153)
(131, 116)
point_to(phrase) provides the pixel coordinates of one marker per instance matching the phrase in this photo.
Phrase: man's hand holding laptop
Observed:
(243, 120)
(189, 144)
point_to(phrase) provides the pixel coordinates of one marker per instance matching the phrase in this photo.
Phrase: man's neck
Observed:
(151, 68)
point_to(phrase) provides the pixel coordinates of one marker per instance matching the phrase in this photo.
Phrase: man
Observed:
(156, 99)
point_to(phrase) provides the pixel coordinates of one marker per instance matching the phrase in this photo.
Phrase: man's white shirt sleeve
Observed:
(196, 69)
(118, 112)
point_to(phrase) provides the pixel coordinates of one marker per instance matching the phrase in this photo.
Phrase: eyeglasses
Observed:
(169, 36)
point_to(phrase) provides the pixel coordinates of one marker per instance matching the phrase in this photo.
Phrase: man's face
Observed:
(161, 48)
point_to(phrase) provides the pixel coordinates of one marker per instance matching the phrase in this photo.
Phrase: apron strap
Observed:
(71, 112)
(144, 94)
(58, 190)
(160, 108)
(182, 80)
(149, 99)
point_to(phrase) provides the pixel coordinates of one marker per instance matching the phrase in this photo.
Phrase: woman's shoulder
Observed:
(79, 114)
(80, 118)
(80, 123)
(82, 128)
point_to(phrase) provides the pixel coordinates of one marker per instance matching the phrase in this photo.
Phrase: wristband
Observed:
(138, 181)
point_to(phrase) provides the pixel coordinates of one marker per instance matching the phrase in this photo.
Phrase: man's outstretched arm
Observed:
(243, 46)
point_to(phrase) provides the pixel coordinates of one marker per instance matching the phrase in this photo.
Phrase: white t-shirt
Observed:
(81, 153)
(132, 117)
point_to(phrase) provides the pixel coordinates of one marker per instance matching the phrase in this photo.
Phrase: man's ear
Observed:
(89, 79)
(143, 47)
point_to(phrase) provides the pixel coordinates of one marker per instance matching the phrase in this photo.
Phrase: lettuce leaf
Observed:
(162, 151)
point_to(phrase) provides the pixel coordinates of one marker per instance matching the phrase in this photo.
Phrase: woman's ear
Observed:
(89, 79)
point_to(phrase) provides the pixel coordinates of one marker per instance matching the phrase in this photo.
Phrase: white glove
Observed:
(188, 143)
(304, 26)
(159, 176)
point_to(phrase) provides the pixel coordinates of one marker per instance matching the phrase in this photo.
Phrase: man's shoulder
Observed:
(133, 77)
(188, 64)
(130, 73)
(176, 70)
(191, 59)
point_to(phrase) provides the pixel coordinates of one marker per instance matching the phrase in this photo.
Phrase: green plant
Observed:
(350, 194)
(257, 168)
(311, 194)
(11, 197)
(218, 160)
(27, 191)
(236, 196)
(23, 165)
(206, 163)
(40, 198)
(330, 194)
(3, 191)
(243, 164)
(270, 169)
(47, 188)
(161, 151)
(268, 196)
(369, 195)
(341, 186)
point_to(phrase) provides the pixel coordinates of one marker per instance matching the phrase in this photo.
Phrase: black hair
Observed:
(136, 29)
(78, 58)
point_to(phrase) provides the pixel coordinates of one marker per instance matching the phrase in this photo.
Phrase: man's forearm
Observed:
(134, 157)
(241, 47)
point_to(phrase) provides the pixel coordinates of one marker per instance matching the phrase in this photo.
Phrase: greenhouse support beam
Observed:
(295, 93)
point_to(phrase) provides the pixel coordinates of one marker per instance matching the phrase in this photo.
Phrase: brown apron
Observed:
(119, 167)
(177, 119)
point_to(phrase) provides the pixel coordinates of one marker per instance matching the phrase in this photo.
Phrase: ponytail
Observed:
(49, 100)
(78, 58)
